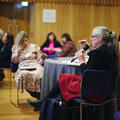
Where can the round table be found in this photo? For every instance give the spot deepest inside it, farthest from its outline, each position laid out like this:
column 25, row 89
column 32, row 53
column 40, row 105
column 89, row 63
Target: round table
column 53, row 68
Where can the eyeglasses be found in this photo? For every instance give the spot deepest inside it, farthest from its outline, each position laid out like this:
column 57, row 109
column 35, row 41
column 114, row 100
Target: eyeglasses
column 92, row 36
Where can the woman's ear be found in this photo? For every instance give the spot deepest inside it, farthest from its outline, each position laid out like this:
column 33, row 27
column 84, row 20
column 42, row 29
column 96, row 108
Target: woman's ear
column 100, row 38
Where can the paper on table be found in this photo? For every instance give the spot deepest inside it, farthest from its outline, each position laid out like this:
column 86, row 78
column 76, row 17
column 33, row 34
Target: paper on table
column 76, row 62
column 70, row 63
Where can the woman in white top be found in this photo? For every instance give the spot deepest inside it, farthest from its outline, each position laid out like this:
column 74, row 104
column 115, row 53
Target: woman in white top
column 30, row 70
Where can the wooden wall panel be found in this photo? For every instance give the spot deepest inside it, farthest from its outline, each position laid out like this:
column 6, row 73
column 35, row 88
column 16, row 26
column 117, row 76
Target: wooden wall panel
column 77, row 20
column 9, row 25
column 14, row 19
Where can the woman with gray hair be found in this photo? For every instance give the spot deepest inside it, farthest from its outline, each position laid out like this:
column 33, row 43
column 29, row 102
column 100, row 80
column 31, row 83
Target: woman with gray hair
column 101, row 57
column 30, row 70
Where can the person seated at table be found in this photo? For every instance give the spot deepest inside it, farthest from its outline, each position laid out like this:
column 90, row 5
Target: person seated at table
column 101, row 57
column 68, row 48
column 30, row 70
column 51, row 45
column 1, row 34
column 1, row 71
column 5, row 52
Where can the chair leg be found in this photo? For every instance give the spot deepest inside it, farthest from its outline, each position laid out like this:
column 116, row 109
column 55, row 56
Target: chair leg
column 11, row 94
column 10, row 87
column 17, row 96
column 94, row 109
column 80, row 111
column 115, row 105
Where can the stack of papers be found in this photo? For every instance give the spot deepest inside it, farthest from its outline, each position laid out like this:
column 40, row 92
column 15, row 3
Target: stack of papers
column 76, row 62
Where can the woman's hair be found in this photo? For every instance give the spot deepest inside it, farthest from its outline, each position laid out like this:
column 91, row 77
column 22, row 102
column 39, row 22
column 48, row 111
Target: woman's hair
column 105, row 33
column 51, row 33
column 67, row 36
column 20, row 36
column 10, row 38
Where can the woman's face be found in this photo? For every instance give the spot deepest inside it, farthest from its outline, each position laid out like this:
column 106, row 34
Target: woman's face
column 24, row 42
column 96, row 40
column 64, row 40
column 4, row 38
column 51, row 37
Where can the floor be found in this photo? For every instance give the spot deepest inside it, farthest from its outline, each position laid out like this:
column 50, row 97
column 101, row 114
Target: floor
column 10, row 112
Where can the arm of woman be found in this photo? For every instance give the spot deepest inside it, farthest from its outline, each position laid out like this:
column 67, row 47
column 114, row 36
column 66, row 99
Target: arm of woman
column 45, row 49
column 5, row 53
column 66, row 49
column 15, row 55
column 41, row 57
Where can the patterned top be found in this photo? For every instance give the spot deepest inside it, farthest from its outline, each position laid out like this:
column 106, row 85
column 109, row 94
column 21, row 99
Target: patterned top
column 30, row 71
column 31, row 53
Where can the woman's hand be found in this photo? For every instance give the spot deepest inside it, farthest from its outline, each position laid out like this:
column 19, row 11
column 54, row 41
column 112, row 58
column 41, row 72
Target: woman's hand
column 80, row 56
column 15, row 60
column 20, row 49
column 48, row 49
column 84, row 42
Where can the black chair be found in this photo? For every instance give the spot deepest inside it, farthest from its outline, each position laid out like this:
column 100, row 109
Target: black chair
column 96, row 82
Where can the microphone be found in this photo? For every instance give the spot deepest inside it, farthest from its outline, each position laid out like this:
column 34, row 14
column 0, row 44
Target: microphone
column 86, row 47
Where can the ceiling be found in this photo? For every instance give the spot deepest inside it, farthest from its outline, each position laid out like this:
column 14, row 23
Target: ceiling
column 94, row 2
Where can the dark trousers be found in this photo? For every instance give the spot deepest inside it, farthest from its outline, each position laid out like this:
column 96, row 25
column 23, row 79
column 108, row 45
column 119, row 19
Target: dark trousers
column 54, row 92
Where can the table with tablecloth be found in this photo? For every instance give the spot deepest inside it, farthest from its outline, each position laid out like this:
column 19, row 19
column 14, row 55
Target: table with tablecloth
column 53, row 68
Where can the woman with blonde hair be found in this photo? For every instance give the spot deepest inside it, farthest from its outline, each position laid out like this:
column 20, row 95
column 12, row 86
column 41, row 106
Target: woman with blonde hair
column 30, row 70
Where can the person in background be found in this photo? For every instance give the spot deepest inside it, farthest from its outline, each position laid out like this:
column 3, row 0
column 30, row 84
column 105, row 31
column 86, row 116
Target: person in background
column 51, row 45
column 1, row 71
column 1, row 33
column 30, row 70
column 5, row 52
column 68, row 48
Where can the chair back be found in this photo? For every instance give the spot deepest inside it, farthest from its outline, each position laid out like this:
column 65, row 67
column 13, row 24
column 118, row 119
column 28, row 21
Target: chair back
column 98, row 82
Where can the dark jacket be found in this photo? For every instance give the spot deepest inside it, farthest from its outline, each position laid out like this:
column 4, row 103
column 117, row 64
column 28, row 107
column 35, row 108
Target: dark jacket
column 68, row 49
column 46, row 44
column 102, row 58
column 5, row 55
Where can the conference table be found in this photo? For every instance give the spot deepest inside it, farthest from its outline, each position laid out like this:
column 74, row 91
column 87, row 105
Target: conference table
column 53, row 68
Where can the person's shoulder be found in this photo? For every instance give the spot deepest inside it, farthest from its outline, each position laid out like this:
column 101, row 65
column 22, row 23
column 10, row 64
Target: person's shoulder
column 56, row 41
column 14, row 47
column 103, row 49
column 34, row 46
column 70, row 42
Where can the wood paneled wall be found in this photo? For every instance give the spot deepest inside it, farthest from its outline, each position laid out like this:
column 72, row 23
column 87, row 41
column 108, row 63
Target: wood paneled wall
column 13, row 25
column 77, row 20
column 13, row 19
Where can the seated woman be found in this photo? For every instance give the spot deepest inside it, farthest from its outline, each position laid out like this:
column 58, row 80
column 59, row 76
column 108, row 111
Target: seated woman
column 30, row 70
column 5, row 52
column 68, row 47
column 51, row 45
column 101, row 57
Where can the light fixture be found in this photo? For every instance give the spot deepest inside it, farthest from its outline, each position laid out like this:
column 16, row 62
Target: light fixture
column 24, row 3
